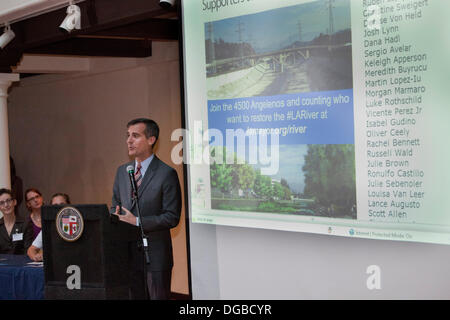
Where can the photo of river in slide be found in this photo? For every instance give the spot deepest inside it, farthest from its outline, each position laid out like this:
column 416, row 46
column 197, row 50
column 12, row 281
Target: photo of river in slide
column 304, row 48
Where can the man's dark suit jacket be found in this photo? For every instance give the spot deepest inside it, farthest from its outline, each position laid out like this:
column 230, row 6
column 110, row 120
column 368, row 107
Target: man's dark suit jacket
column 160, row 206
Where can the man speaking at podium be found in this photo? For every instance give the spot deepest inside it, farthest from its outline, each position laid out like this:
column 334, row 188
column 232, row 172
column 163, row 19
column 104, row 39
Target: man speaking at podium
column 159, row 202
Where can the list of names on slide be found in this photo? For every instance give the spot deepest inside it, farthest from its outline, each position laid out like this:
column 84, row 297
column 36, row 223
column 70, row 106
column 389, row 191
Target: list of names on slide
column 395, row 103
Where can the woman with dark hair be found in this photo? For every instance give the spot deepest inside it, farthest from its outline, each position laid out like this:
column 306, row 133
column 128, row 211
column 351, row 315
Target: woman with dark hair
column 60, row 198
column 11, row 227
column 35, row 251
column 34, row 202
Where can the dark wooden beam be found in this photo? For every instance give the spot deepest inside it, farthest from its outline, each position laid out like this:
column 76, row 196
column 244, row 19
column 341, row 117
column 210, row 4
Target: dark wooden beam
column 9, row 58
column 155, row 29
column 97, row 48
column 92, row 12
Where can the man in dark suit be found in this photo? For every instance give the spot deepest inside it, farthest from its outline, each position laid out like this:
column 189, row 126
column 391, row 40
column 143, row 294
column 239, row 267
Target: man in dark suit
column 159, row 197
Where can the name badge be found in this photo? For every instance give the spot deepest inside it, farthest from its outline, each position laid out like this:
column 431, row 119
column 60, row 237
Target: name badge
column 17, row 236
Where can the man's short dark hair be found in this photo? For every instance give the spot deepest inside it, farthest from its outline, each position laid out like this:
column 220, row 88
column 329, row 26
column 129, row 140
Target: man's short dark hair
column 4, row 190
column 151, row 127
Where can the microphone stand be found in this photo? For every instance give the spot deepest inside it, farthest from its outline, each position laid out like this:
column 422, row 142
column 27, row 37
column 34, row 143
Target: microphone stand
column 144, row 241
column 144, row 238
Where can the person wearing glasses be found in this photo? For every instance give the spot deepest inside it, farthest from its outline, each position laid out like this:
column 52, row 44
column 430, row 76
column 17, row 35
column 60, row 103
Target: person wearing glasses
column 35, row 252
column 34, row 202
column 11, row 227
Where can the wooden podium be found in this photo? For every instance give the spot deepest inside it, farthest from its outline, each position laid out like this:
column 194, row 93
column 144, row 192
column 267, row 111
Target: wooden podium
column 106, row 261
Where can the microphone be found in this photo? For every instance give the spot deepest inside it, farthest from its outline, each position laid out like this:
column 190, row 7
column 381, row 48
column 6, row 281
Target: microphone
column 130, row 170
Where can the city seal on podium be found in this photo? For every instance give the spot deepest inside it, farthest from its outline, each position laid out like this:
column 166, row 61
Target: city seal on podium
column 69, row 224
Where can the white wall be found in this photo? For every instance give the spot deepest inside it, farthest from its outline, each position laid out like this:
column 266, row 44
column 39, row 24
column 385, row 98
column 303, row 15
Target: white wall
column 245, row 264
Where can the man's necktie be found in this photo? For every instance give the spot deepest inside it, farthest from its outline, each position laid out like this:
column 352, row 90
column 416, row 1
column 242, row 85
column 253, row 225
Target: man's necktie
column 138, row 175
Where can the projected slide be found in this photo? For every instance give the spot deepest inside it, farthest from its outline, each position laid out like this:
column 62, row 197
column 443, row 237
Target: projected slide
column 324, row 116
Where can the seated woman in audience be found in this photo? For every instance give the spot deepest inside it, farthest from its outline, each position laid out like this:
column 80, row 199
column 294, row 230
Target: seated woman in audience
column 11, row 227
column 60, row 199
column 35, row 252
column 34, row 202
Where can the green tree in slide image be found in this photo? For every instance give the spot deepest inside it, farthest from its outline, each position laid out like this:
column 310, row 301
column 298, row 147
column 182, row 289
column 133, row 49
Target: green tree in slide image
column 221, row 173
column 330, row 177
column 244, row 177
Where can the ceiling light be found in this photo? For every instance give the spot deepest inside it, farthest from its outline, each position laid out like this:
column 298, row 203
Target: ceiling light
column 73, row 18
column 7, row 36
column 167, row 3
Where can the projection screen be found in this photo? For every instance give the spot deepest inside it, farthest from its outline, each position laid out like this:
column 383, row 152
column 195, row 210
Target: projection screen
column 327, row 117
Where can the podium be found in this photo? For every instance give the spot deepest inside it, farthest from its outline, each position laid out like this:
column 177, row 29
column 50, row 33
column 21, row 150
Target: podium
column 95, row 257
